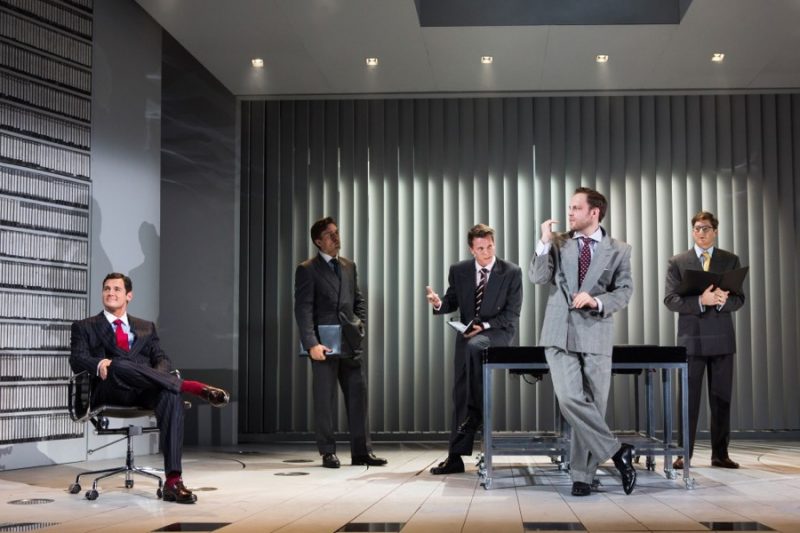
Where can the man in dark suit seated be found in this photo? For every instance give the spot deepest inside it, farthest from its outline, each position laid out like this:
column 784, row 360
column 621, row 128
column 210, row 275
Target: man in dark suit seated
column 326, row 293
column 705, row 328
column 131, row 369
column 488, row 293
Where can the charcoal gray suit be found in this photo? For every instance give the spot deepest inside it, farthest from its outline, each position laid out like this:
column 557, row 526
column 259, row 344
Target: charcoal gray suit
column 323, row 297
column 500, row 308
column 138, row 377
column 579, row 342
column 710, row 341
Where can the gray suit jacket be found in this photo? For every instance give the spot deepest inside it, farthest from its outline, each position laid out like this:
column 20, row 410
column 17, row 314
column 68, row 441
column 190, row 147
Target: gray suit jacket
column 708, row 332
column 502, row 298
column 608, row 279
column 320, row 297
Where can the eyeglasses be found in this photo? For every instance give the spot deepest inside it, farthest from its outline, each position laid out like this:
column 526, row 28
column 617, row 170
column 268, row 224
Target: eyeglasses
column 702, row 229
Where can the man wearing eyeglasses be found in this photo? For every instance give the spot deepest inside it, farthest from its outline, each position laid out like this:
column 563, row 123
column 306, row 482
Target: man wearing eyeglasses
column 705, row 328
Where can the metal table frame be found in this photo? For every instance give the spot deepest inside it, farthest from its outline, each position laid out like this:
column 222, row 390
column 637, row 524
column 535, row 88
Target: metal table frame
column 557, row 443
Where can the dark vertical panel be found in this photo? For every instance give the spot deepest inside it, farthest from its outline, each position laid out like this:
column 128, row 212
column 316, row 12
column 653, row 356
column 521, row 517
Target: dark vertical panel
column 406, row 362
column 680, row 215
column 632, row 233
column 572, row 144
column 390, row 268
column 483, row 141
column 588, row 145
column 648, row 235
column 560, row 191
column 245, row 183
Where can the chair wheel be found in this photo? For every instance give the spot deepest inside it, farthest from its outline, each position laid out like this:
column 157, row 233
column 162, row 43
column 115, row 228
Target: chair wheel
column 91, row 494
column 128, row 483
column 159, row 493
column 74, row 488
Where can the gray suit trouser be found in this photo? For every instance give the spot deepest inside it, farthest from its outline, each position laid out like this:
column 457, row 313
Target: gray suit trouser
column 581, row 382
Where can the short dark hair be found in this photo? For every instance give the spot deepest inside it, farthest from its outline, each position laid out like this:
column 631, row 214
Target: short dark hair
column 479, row 231
column 594, row 199
column 318, row 228
column 125, row 280
column 705, row 215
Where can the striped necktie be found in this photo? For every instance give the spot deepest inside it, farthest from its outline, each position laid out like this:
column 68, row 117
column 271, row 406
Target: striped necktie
column 479, row 290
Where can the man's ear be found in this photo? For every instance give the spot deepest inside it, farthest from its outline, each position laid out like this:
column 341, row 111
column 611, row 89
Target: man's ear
column 129, row 296
column 316, row 243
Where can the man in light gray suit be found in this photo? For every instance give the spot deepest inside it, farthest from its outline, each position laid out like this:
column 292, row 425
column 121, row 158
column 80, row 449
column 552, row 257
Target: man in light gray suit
column 705, row 328
column 589, row 276
column 326, row 293
column 488, row 293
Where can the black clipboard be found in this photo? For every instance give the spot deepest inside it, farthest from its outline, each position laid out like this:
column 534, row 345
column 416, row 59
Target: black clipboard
column 694, row 282
column 329, row 335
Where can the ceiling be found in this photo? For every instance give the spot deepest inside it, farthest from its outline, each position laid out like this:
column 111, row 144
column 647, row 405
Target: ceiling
column 318, row 47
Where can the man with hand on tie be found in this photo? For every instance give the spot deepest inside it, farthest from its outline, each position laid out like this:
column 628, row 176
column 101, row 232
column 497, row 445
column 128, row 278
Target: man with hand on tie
column 589, row 276
column 488, row 293
column 131, row 369
column 326, row 293
column 705, row 328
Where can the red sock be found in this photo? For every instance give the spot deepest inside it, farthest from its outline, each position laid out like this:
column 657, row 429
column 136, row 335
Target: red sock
column 173, row 478
column 193, row 387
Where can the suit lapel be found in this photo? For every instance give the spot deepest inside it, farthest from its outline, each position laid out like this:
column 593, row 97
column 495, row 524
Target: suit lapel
column 327, row 274
column 139, row 334
column 492, row 290
column 569, row 264
column 602, row 251
column 105, row 332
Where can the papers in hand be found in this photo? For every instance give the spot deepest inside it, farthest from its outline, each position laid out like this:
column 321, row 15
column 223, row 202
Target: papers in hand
column 694, row 282
column 330, row 335
column 460, row 326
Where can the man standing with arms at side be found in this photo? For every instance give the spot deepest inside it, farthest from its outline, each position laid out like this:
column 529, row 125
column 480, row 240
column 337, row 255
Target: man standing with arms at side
column 589, row 276
column 131, row 369
column 326, row 293
column 488, row 292
column 705, row 328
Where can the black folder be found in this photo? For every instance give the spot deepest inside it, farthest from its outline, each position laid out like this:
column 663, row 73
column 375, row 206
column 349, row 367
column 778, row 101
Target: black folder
column 695, row 282
column 330, row 335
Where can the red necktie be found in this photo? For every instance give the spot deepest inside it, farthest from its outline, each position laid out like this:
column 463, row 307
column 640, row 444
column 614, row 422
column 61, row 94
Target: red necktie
column 122, row 337
column 584, row 260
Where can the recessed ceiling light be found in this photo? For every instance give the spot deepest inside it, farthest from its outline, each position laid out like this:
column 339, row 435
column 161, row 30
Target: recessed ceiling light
column 487, row 60
column 257, row 62
column 717, row 57
column 601, row 58
column 372, row 61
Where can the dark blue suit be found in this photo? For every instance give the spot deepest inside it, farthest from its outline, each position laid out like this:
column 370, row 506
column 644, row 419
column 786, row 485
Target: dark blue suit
column 139, row 377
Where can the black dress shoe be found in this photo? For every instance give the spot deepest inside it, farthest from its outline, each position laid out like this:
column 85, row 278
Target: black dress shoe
column 581, row 489
column 452, row 465
column 725, row 462
column 329, row 460
column 469, row 425
column 623, row 460
column 178, row 493
column 678, row 464
column 215, row 396
column 368, row 460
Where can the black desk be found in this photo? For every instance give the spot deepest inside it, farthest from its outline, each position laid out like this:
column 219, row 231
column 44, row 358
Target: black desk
column 625, row 358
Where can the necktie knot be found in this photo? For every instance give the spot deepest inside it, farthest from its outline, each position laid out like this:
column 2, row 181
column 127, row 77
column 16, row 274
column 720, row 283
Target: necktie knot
column 334, row 263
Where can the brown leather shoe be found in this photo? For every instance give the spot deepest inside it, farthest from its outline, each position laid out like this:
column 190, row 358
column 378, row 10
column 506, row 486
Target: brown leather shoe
column 178, row 493
column 216, row 397
column 678, row 464
column 725, row 462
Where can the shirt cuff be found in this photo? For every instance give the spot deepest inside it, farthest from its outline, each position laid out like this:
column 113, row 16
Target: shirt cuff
column 700, row 303
column 97, row 369
column 599, row 305
column 486, row 325
column 542, row 247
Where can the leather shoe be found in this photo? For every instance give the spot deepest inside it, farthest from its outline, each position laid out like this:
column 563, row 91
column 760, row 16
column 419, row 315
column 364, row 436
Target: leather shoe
column 469, row 425
column 623, row 460
column 368, row 460
column 178, row 493
column 581, row 489
column 214, row 396
column 678, row 463
column 452, row 465
column 725, row 462
column 329, row 460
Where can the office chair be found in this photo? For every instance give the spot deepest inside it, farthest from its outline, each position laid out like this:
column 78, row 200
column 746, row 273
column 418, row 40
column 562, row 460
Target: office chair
column 82, row 409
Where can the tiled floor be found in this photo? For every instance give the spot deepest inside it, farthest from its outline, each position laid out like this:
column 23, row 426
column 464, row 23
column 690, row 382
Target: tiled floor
column 243, row 490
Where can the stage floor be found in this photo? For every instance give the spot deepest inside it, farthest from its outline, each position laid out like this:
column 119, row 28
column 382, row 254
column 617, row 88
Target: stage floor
column 247, row 488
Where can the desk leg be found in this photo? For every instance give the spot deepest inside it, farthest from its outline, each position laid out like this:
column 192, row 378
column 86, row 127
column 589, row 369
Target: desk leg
column 649, row 422
column 666, row 382
column 486, row 471
column 687, row 478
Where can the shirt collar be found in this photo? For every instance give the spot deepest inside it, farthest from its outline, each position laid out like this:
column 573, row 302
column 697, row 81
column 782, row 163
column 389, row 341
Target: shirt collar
column 699, row 251
column 597, row 236
column 326, row 257
column 111, row 318
column 489, row 267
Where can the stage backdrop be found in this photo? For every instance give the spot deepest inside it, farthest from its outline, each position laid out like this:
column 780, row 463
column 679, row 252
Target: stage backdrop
column 406, row 178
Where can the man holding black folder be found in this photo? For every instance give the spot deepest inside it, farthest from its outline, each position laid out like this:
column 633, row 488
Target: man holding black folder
column 488, row 293
column 705, row 328
column 328, row 303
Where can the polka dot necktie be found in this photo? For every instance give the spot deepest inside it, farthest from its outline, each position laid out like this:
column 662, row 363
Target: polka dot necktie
column 585, row 259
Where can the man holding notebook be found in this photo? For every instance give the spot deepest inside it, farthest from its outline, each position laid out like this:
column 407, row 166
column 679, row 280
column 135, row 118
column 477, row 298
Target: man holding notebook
column 705, row 328
column 488, row 293
column 330, row 310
